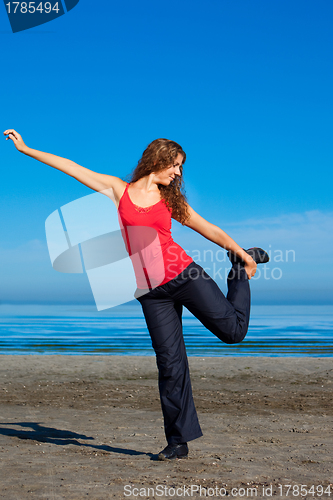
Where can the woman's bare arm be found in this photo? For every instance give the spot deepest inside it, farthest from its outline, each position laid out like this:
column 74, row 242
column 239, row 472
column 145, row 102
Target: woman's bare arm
column 218, row 236
column 94, row 180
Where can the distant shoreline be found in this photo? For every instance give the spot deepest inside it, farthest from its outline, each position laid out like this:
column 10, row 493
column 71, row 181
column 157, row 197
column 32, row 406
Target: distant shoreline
column 274, row 332
column 208, row 356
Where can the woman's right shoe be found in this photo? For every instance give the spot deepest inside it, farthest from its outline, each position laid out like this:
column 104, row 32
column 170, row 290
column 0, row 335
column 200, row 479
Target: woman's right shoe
column 258, row 255
column 174, row 451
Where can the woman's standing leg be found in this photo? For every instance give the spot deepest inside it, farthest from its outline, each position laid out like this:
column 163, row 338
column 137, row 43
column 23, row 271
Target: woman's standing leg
column 163, row 318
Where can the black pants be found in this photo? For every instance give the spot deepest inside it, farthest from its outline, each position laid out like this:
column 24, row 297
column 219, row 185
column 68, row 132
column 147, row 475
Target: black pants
column 227, row 318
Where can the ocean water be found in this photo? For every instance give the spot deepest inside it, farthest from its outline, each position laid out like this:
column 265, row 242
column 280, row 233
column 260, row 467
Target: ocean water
column 274, row 331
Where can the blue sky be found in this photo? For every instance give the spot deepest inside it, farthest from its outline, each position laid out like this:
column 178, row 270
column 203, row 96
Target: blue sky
column 245, row 88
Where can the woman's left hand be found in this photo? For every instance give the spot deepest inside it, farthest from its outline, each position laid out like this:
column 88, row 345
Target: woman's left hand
column 250, row 268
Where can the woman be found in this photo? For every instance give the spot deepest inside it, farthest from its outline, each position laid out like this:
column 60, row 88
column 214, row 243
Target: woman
column 167, row 277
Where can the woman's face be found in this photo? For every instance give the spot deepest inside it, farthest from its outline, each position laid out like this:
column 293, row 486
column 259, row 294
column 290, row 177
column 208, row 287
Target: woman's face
column 167, row 175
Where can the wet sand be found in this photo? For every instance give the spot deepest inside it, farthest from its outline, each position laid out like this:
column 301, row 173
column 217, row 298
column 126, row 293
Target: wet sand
column 75, row 427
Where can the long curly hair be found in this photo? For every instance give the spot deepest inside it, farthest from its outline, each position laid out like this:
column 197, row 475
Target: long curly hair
column 160, row 154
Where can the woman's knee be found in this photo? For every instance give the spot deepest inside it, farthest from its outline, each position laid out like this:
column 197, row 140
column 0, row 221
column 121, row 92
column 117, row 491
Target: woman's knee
column 231, row 336
column 236, row 339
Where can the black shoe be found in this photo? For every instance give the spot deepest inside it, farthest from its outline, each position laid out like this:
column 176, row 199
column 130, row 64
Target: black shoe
column 258, row 255
column 174, row 451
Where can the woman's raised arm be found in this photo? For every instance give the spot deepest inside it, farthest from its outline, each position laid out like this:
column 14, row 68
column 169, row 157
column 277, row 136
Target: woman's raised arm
column 94, row 180
column 218, row 236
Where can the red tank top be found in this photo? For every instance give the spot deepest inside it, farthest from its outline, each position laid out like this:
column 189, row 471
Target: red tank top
column 156, row 258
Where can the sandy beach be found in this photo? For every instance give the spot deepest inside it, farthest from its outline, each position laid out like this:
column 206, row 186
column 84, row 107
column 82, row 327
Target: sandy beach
column 75, row 427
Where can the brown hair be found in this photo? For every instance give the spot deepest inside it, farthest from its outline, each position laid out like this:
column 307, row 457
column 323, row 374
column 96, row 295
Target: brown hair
column 158, row 155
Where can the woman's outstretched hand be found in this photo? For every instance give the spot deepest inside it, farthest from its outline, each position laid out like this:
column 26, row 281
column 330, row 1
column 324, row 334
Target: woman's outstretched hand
column 250, row 268
column 16, row 138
